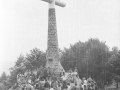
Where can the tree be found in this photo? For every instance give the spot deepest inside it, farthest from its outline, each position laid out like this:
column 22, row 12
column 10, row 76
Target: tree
column 4, row 81
column 3, row 77
column 13, row 77
column 89, row 57
column 114, row 65
column 35, row 59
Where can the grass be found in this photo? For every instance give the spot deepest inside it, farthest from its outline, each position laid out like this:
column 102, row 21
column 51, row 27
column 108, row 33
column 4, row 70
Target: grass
column 112, row 87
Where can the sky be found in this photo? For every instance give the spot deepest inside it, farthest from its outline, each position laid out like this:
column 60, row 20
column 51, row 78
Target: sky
column 24, row 25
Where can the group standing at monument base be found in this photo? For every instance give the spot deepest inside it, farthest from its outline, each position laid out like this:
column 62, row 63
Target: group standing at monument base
column 42, row 79
column 53, row 76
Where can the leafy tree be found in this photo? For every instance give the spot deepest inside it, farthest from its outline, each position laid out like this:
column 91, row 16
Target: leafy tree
column 35, row 59
column 114, row 65
column 89, row 57
column 13, row 77
column 4, row 81
column 3, row 77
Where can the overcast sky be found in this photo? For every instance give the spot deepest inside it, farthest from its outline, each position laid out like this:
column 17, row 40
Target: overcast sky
column 24, row 25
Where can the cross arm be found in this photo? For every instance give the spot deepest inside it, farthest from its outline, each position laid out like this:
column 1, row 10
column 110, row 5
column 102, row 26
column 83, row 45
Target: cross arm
column 57, row 2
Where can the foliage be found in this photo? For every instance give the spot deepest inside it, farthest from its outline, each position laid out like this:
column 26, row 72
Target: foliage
column 92, row 58
column 4, row 81
column 89, row 57
column 35, row 59
column 114, row 65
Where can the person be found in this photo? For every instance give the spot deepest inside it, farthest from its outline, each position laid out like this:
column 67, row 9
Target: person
column 84, row 82
column 64, row 85
column 70, row 71
column 51, row 88
column 72, row 85
column 69, row 87
column 47, row 85
column 91, row 83
column 78, row 82
column 62, row 73
column 59, row 86
column 23, row 87
column 63, row 77
column 55, row 84
column 49, row 80
column 41, row 85
column 29, row 86
column 37, row 86
column 42, row 82
column 89, row 80
column 75, row 70
column 10, row 88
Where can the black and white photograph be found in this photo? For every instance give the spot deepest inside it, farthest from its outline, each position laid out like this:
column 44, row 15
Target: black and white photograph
column 59, row 44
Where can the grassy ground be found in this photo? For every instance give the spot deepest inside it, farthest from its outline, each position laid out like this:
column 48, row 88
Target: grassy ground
column 112, row 87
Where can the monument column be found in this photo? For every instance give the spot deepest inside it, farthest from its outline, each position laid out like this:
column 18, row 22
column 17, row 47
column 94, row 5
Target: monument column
column 52, row 44
column 52, row 54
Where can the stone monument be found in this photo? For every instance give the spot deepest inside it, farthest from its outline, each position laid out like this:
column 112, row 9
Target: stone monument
column 52, row 54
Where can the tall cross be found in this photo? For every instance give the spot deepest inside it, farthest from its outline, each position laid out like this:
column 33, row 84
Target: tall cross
column 52, row 56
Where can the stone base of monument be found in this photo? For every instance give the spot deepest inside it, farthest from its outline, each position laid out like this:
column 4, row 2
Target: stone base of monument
column 56, row 68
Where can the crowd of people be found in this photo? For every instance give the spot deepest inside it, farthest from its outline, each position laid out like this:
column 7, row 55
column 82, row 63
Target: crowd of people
column 45, row 79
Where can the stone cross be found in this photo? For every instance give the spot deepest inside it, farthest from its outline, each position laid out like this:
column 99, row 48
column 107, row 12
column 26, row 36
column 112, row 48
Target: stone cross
column 52, row 56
